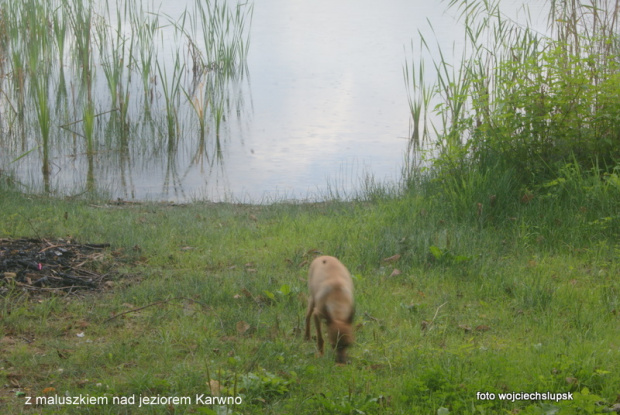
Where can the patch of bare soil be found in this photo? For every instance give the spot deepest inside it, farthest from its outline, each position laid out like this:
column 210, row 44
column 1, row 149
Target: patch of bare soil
column 60, row 266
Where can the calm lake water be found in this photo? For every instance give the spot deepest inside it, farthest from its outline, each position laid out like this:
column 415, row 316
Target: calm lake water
column 322, row 105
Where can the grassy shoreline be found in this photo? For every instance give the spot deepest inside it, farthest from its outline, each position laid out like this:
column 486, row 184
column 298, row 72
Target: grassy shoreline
column 496, row 273
column 519, row 297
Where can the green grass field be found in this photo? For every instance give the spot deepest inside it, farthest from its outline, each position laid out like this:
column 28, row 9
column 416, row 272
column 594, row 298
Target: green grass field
column 509, row 296
column 490, row 285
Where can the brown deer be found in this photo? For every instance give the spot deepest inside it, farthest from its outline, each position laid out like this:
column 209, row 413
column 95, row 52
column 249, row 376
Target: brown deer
column 331, row 298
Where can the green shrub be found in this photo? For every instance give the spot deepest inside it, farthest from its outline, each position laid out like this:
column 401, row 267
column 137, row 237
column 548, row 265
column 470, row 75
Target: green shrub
column 523, row 103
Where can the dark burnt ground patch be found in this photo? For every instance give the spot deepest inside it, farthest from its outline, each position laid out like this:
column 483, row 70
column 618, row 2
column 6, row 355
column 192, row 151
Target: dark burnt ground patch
column 53, row 266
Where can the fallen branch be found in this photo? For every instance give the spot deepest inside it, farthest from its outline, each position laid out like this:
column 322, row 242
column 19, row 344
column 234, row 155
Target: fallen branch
column 133, row 310
column 426, row 325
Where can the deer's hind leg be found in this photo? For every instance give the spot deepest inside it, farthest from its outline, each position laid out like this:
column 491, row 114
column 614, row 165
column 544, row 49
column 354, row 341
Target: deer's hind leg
column 309, row 316
column 319, row 336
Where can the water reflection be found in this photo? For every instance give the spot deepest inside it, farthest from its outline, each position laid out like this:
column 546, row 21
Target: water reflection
column 106, row 97
column 146, row 113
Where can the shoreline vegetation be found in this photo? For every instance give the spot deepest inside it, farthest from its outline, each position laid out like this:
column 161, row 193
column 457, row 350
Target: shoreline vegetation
column 521, row 297
column 488, row 283
column 105, row 83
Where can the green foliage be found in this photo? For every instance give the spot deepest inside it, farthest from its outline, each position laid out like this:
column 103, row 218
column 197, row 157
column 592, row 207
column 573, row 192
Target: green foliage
column 352, row 404
column 522, row 103
column 507, row 277
column 582, row 403
column 551, row 108
column 114, row 74
column 254, row 387
column 284, row 293
column 445, row 256
column 480, row 304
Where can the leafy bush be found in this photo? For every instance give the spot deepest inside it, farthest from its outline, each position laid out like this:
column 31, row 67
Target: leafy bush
column 521, row 102
column 552, row 107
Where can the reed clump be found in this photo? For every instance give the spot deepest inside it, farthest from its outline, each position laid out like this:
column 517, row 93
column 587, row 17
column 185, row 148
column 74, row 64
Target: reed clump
column 81, row 76
column 525, row 102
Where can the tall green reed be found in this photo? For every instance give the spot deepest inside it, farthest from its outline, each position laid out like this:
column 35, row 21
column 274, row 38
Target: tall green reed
column 89, row 128
column 80, row 15
column 171, row 87
column 521, row 99
column 59, row 25
column 115, row 51
column 199, row 101
column 39, row 61
column 145, row 27
column 224, row 38
column 419, row 98
column 40, row 95
column 84, row 61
